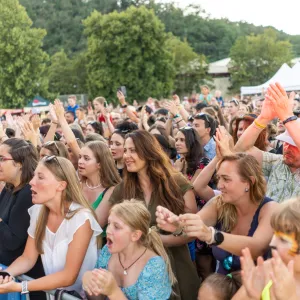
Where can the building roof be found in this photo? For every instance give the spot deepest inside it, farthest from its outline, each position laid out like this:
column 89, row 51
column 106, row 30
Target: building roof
column 220, row 66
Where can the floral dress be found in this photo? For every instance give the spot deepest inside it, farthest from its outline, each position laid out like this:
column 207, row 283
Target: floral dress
column 153, row 282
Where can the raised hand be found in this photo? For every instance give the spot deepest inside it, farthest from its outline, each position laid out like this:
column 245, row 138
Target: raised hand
column 253, row 277
column 59, row 109
column 10, row 121
column 36, row 122
column 53, row 115
column 284, row 285
column 171, row 107
column 121, row 97
column 224, row 142
column 282, row 104
column 166, row 220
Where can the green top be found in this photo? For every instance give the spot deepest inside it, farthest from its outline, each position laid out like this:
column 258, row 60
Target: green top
column 96, row 204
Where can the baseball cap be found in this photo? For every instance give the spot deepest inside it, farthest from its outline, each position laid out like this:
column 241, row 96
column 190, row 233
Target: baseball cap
column 285, row 137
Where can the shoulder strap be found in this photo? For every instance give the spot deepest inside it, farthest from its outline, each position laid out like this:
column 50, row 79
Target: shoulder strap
column 99, row 199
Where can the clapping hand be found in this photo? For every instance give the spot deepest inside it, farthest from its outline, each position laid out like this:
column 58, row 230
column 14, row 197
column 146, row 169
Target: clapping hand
column 59, row 109
column 52, row 113
column 253, row 277
column 284, row 285
column 282, row 105
column 224, row 142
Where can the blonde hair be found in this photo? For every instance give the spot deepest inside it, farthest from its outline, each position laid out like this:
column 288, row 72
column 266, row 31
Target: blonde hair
column 100, row 100
column 108, row 172
column 63, row 170
column 250, row 171
column 287, row 218
column 135, row 214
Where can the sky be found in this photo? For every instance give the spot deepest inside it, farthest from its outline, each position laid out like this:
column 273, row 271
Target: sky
column 283, row 15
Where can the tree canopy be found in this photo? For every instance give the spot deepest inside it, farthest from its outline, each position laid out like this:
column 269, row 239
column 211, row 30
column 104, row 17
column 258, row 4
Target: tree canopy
column 128, row 48
column 257, row 58
column 22, row 59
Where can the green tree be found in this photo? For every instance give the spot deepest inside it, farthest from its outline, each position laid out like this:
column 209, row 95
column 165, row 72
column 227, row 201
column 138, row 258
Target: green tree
column 128, row 48
column 190, row 67
column 21, row 56
column 256, row 58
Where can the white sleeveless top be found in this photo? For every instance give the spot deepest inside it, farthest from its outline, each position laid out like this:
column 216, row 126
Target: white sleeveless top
column 55, row 245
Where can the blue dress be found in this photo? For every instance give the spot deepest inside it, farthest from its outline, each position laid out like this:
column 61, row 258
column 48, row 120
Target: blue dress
column 152, row 284
column 228, row 262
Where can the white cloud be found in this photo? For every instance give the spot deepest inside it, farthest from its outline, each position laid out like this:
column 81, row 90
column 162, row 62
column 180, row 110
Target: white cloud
column 283, row 15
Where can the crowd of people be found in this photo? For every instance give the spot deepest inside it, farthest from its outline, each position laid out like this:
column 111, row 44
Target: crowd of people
column 192, row 199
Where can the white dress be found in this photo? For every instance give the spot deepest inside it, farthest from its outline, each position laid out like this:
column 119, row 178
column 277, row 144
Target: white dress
column 55, row 245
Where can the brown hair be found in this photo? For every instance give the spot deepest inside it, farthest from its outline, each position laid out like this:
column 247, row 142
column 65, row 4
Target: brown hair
column 159, row 169
column 24, row 153
column 63, row 170
column 56, row 148
column 248, row 169
column 224, row 286
column 161, row 129
column 108, row 172
column 260, row 142
column 286, row 218
column 136, row 215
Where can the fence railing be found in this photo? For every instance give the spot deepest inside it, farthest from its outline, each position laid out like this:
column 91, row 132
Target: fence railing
column 48, row 293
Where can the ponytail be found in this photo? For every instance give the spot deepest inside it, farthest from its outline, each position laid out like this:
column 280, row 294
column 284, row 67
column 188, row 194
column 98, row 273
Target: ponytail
column 154, row 243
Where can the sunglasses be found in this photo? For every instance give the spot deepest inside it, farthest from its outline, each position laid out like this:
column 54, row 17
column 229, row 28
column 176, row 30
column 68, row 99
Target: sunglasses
column 235, row 102
column 49, row 159
column 186, row 128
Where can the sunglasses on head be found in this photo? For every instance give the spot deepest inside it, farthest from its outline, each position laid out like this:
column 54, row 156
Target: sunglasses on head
column 51, row 143
column 203, row 115
column 235, row 102
column 49, row 159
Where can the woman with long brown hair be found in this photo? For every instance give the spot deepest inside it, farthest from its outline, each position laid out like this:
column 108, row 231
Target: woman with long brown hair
column 99, row 176
column 150, row 177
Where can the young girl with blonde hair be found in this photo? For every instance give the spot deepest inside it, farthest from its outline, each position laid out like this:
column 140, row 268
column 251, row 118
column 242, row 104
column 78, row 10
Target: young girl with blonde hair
column 134, row 263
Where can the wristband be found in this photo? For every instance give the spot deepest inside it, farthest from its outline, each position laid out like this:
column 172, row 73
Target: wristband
column 179, row 121
column 24, row 285
column 265, row 295
column 292, row 118
column 178, row 232
column 56, row 123
column 259, row 125
column 212, row 240
column 176, row 116
column 124, row 106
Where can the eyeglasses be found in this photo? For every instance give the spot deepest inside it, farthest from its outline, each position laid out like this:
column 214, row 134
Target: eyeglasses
column 51, row 158
column 51, row 143
column 2, row 159
column 92, row 122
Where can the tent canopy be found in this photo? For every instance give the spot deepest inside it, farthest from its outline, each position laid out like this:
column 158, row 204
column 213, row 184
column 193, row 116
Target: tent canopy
column 38, row 101
column 285, row 75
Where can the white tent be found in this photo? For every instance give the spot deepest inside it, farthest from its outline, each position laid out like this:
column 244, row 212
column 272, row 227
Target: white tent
column 283, row 75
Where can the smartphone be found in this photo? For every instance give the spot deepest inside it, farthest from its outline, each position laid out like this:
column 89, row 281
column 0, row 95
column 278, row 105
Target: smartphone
column 4, row 274
column 105, row 104
column 123, row 90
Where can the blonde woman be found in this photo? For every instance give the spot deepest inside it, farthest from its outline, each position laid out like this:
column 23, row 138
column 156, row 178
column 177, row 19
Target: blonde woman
column 133, row 264
column 63, row 230
column 99, row 176
column 238, row 218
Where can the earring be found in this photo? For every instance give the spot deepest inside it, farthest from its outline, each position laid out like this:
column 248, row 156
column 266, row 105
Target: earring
column 246, row 190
